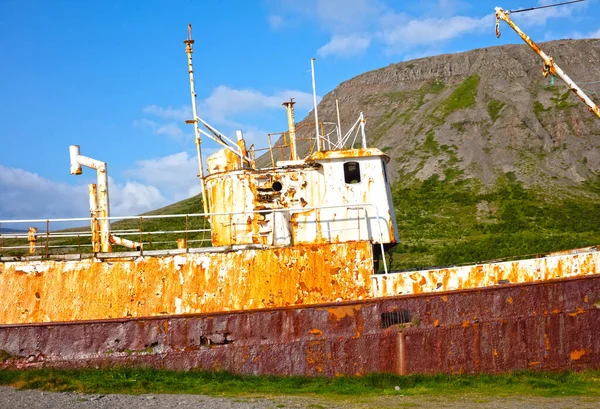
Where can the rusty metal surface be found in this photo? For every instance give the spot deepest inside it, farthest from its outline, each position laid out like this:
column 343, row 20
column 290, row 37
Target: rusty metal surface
column 481, row 275
column 46, row 291
column 552, row 325
column 302, row 188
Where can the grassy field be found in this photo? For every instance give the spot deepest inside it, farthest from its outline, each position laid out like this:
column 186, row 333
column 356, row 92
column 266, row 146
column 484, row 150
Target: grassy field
column 140, row 381
column 455, row 221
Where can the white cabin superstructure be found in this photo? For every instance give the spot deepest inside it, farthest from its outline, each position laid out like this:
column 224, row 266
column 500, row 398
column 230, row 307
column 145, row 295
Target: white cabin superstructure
column 331, row 196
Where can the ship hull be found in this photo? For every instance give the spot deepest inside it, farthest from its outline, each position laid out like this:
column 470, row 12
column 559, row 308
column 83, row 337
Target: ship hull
column 552, row 325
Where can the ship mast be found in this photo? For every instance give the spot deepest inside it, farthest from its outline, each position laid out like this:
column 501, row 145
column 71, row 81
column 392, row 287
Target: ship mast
column 550, row 67
column 188, row 50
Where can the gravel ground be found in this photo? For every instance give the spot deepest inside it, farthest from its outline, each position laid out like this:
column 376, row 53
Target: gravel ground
column 35, row 399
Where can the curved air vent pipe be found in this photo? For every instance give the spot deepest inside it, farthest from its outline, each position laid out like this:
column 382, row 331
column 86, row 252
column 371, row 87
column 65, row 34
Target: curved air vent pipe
column 99, row 204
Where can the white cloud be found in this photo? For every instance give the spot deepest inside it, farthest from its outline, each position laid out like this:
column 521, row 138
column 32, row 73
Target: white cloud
column 399, row 36
column 221, row 106
column 578, row 35
column 225, row 102
column 133, row 198
column 170, row 129
column 180, row 114
column 27, row 195
column 275, row 22
column 540, row 17
column 345, row 46
column 174, row 175
column 438, row 22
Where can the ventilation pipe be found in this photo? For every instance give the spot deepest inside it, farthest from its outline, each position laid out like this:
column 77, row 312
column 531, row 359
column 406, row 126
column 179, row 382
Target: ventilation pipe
column 99, row 207
column 289, row 107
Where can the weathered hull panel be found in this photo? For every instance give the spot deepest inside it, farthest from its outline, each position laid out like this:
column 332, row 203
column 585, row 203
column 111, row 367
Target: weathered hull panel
column 560, row 265
column 50, row 291
column 552, row 325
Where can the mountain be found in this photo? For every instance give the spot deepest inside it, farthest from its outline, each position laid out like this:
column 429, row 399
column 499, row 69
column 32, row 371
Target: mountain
column 490, row 160
column 482, row 113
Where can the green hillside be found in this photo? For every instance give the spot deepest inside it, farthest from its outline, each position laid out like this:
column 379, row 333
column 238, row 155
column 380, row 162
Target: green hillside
column 457, row 221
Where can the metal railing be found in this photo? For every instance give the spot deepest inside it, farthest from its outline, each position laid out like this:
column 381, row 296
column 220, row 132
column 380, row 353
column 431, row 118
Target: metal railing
column 164, row 232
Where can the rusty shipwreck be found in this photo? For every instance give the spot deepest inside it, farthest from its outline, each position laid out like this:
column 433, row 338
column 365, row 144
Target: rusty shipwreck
column 295, row 281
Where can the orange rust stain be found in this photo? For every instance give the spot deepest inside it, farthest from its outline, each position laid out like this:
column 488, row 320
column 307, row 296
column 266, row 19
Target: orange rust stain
column 495, row 352
column 585, row 299
column 342, row 312
column 547, row 342
column 463, row 277
column 577, row 354
column 466, row 324
column 316, row 332
column 444, row 298
column 509, row 300
column 436, row 323
column 533, row 363
column 191, row 283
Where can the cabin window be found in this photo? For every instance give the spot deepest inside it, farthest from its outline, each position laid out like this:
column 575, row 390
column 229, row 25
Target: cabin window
column 351, row 172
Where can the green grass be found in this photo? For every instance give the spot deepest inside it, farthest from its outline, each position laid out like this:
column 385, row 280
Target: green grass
column 494, row 107
column 560, row 101
column 456, row 221
column 430, row 145
column 464, row 96
column 538, row 108
column 142, row 381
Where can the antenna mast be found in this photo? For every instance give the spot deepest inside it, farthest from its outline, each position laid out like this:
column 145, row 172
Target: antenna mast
column 188, row 50
column 312, row 70
column 550, row 67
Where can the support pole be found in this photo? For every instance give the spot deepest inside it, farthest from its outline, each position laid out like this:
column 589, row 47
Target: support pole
column 312, row 69
column 189, row 50
column 289, row 107
column 94, row 225
column 362, row 131
column 339, row 123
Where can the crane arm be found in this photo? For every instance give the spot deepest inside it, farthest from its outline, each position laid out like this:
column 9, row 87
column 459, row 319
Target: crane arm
column 550, row 67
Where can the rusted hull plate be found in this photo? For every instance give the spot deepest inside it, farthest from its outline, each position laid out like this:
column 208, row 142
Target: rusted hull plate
column 555, row 342
column 551, row 325
column 484, row 275
column 50, row 291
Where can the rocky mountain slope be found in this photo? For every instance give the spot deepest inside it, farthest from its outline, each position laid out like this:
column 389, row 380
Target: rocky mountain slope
column 480, row 114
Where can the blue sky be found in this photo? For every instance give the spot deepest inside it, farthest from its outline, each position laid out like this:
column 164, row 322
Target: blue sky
column 111, row 76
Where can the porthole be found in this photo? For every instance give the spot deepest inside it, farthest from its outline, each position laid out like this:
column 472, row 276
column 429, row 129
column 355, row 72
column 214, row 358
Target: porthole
column 277, row 186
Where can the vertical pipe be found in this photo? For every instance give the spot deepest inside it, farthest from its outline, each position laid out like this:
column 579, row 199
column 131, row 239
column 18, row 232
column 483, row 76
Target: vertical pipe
column 289, row 107
column 362, row 131
column 141, row 230
column 94, row 225
column 271, row 150
column 47, row 236
column 103, row 208
column 339, row 123
column 312, row 69
column 32, row 238
column 188, row 49
column 186, row 231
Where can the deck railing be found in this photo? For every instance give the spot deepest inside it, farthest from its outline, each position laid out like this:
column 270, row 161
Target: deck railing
column 162, row 232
